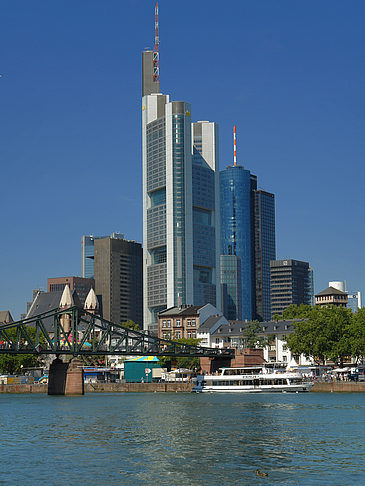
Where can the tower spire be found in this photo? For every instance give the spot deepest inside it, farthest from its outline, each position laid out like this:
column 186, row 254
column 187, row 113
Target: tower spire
column 156, row 53
column 234, row 146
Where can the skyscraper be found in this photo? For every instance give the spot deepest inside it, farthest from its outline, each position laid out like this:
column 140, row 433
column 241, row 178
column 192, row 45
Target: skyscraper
column 180, row 200
column 291, row 283
column 118, row 279
column 265, row 251
column 247, row 232
column 236, row 227
column 87, row 253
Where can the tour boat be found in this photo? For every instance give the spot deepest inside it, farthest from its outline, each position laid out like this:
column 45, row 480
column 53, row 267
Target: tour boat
column 252, row 379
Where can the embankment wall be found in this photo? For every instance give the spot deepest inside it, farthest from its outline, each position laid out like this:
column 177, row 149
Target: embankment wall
column 344, row 387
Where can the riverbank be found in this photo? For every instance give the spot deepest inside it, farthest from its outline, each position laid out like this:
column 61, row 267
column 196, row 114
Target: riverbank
column 318, row 387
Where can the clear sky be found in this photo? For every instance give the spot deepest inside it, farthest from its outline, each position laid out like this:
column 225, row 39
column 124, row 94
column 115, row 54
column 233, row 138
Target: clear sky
column 289, row 74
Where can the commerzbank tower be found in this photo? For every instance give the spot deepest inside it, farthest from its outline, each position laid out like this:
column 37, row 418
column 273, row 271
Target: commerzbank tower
column 181, row 237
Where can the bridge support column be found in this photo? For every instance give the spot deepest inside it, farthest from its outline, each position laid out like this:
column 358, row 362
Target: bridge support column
column 57, row 377
column 66, row 378
column 75, row 378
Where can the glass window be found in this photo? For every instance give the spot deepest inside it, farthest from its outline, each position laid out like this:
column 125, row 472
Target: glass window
column 178, row 323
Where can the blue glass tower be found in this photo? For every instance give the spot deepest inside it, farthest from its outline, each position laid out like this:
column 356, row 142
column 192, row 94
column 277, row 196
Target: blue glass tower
column 236, row 228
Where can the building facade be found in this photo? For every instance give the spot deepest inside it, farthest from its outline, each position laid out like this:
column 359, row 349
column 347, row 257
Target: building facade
column 184, row 321
column 118, row 279
column 87, row 253
column 264, row 250
column 81, row 285
column 291, row 283
column 331, row 296
column 236, row 233
column 231, row 285
column 180, row 204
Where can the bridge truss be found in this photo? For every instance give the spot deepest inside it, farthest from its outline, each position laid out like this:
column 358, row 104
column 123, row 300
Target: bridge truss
column 77, row 332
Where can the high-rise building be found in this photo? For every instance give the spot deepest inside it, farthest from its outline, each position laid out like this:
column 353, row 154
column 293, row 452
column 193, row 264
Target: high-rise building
column 231, row 283
column 118, row 279
column 291, row 283
column 87, row 253
column 236, row 229
column 265, row 251
column 180, row 201
column 248, row 232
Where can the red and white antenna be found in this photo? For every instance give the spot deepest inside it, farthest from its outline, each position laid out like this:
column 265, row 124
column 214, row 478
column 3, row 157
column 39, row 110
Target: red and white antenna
column 156, row 54
column 234, row 146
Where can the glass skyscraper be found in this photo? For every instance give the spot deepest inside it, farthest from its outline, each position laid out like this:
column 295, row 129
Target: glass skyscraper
column 265, row 251
column 236, row 229
column 180, row 204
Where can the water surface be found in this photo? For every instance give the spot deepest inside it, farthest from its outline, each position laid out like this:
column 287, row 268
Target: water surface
column 183, row 439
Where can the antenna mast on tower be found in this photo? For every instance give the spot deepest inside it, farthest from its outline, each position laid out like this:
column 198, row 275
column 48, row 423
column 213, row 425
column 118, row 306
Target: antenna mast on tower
column 234, row 146
column 156, row 54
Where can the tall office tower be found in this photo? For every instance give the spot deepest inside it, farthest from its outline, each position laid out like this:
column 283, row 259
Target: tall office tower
column 87, row 253
column 118, row 279
column 180, row 201
column 206, row 215
column 231, row 283
column 264, row 251
column 236, row 233
column 291, row 283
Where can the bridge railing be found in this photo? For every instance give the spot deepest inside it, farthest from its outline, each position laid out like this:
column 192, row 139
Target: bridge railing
column 77, row 332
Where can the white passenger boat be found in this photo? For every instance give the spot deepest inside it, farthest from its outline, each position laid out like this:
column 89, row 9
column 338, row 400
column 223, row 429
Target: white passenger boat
column 252, row 379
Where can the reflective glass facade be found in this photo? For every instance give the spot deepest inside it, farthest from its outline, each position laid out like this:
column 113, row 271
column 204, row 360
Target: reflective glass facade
column 231, row 282
column 179, row 208
column 236, row 227
column 265, row 250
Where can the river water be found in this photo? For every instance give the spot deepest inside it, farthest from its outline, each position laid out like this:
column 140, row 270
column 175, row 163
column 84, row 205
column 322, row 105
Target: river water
column 183, row 439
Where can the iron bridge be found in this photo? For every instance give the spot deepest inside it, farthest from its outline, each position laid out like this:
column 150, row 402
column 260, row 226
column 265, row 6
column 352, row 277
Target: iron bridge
column 77, row 332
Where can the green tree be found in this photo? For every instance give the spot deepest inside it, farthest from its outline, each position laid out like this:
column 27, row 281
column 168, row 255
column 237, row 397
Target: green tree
column 326, row 334
column 253, row 336
column 357, row 335
column 15, row 363
column 297, row 311
column 189, row 363
column 129, row 324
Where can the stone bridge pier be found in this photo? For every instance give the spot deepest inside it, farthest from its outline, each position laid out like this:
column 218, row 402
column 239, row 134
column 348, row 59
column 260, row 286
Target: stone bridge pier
column 66, row 378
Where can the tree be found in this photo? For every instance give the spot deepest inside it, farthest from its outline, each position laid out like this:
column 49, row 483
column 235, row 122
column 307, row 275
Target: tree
column 253, row 336
column 15, row 363
column 129, row 324
column 297, row 311
column 183, row 362
column 325, row 334
column 357, row 335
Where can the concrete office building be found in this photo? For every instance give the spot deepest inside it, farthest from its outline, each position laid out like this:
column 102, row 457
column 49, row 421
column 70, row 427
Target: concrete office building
column 180, row 201
column 87, row 253
column 118, row 279
column 291, row 283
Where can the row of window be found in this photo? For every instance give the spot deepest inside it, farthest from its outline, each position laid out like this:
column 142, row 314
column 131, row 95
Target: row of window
column 178, row 335
column 189, row 323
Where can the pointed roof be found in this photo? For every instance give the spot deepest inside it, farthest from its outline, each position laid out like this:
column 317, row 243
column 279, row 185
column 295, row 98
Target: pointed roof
column 5, row 317
column 91, row 302
column 331, row 291
column 66, row 299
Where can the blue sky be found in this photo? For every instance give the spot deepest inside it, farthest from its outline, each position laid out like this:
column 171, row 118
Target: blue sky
column 290, row 75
